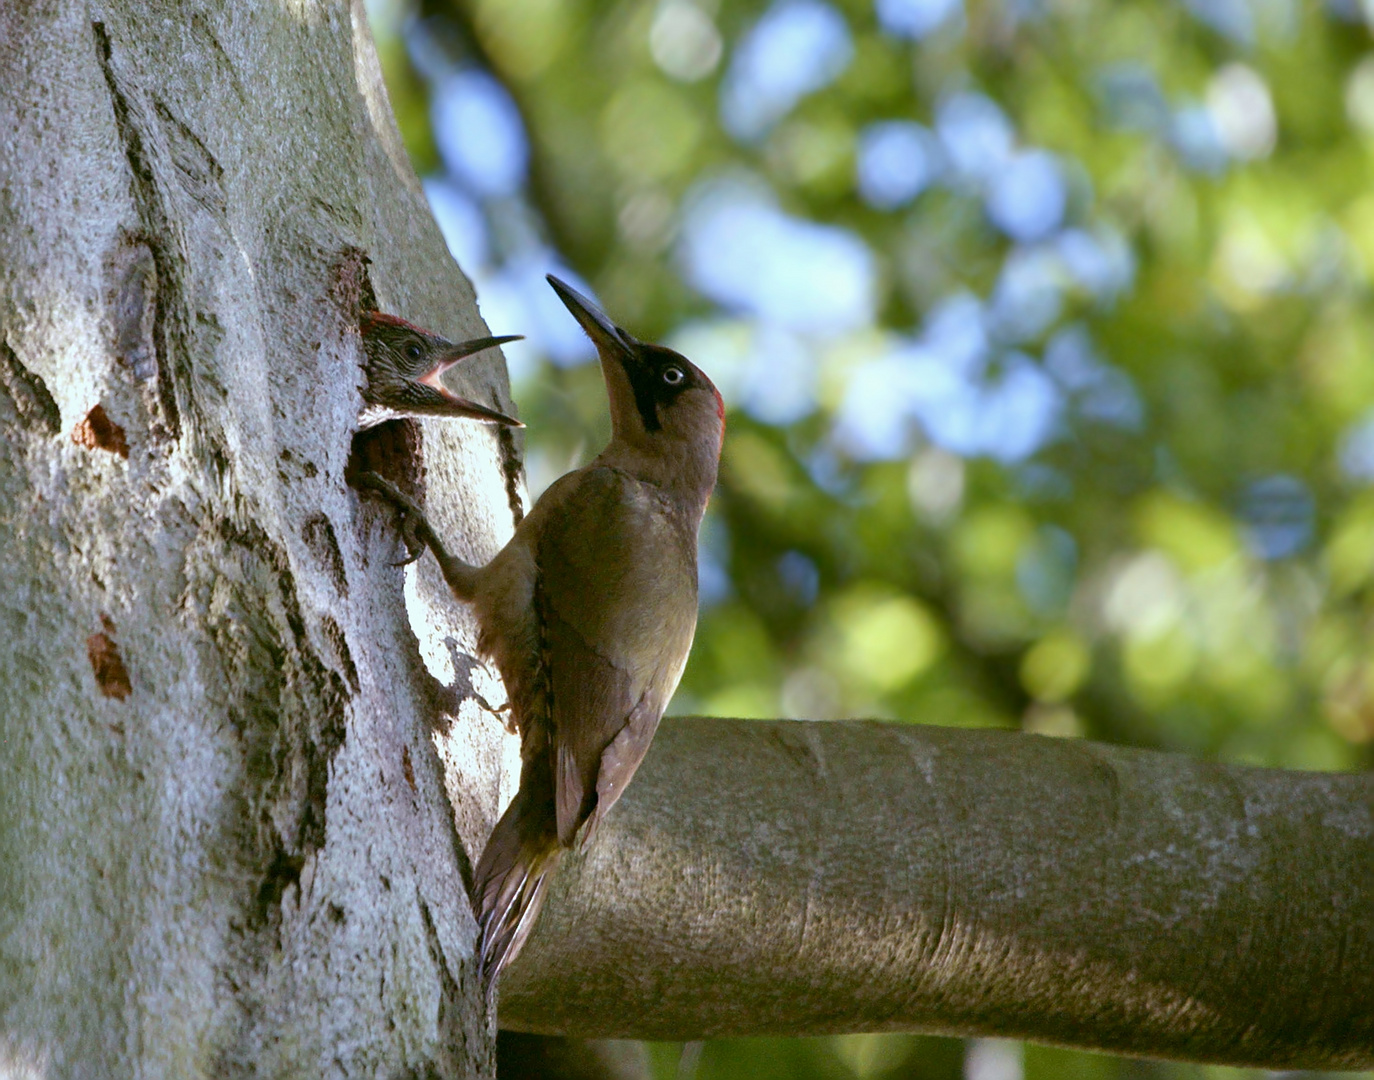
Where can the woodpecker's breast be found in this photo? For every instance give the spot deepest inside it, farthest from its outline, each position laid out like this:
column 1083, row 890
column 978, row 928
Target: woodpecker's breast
column 611, row 560
column 621, row 569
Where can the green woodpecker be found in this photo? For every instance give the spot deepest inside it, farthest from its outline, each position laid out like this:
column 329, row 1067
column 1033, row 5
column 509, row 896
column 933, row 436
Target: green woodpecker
column 404, row 367
column 588, row 613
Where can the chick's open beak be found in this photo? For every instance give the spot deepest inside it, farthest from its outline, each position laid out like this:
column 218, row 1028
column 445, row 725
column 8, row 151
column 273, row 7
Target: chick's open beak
column 463, row 349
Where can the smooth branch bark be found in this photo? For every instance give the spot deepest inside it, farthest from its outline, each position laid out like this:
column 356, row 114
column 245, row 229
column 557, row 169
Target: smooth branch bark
column 793, row 878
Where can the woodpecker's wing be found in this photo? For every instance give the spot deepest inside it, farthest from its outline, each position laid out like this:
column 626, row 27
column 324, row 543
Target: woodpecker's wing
column 617, row 599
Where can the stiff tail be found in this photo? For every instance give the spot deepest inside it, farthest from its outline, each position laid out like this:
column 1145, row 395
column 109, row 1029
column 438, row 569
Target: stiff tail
column 511, row 876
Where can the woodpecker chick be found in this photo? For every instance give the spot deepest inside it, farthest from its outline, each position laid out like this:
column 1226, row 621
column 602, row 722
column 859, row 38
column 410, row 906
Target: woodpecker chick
column 404, row 367
column 588, row 613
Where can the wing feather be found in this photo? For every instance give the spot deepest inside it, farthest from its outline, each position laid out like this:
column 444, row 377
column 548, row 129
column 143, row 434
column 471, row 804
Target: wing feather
column 617, row 597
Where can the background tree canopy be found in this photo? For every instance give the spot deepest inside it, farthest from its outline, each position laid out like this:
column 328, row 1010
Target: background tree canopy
column 1045, row 329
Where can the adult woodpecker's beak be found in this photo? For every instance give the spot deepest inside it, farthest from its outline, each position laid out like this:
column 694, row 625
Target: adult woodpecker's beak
column 620, row 352
column 605, row 335
column 462, row 406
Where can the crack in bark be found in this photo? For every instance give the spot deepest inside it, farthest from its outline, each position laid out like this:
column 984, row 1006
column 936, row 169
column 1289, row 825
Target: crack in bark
column 289, row 708
column 511, row 467
column 29, row 393
column 199, row 172
column 318, row 533
column 350, row 284
column 111, row 676
column 333, row 633
column 135, row 312
column 453, row 1040
column 153, row 214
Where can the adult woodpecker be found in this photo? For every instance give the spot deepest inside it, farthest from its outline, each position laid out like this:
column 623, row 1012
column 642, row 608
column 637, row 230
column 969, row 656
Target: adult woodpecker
column 588, row 613
column 404, row 367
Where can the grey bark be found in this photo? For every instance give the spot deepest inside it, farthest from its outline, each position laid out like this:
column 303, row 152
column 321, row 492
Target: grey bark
column 226, row 840
column 791, row 878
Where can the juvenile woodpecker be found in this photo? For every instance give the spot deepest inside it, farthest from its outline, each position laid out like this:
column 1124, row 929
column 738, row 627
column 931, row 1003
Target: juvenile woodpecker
column 404, row 367
column 588, row 613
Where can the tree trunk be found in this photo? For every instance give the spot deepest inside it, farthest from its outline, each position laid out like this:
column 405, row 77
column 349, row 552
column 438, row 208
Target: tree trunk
column 226, row 841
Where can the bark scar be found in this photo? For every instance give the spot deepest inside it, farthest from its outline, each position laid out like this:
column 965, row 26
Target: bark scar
column 111, row 676
column 319, row 536
column 135, row 312
column 98, row 432
column 451, row 990
column 950, row 938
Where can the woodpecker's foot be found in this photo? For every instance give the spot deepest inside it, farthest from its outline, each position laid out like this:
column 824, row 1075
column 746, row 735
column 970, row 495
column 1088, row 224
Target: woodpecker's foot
column 415, row 547
column 414, row 526
column 505, row 714
column 419, row 534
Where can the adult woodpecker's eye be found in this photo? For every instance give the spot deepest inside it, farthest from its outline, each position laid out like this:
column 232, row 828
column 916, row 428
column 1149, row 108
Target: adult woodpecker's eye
column 413, row 350
column 672, row 376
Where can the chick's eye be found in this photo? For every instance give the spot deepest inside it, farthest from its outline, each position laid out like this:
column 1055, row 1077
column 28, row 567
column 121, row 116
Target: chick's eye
column 672, row 376
column 413, row 351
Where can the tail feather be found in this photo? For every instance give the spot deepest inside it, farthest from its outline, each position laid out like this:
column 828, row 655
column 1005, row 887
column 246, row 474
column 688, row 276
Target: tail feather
column 511, row 935
column 511, row 877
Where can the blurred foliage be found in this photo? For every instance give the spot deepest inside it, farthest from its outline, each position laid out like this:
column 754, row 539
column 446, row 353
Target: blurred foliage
column 1059, row 414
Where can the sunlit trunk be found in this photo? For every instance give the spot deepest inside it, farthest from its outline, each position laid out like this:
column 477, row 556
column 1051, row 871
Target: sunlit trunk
column 226, row 842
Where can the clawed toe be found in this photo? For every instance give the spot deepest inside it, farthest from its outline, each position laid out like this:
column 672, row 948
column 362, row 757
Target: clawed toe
column 410, row 536
column 376, row 482
column 412, row 524
column 418, row 534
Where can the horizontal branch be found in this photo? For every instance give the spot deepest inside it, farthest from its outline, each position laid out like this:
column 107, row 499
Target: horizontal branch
column 784, row 878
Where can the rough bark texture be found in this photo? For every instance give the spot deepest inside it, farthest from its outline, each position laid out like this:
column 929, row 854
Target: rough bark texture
column 225, row 843
column 793, row 878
